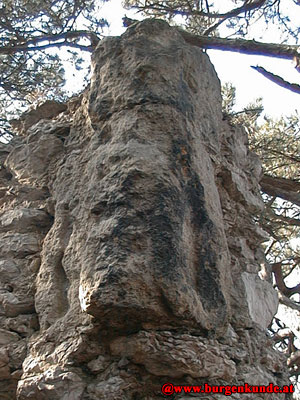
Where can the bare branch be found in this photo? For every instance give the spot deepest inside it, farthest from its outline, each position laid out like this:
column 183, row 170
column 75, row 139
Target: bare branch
column 242, row 46
column 286, row 291
column 157, row 6
column 294, row 359
column 247, row 7
column 285, row 333
column 277, row 79
column 286, row 189
column 280, row 217
column 288, row 302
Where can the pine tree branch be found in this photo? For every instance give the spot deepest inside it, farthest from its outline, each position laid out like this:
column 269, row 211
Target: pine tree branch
column 287, row 220
column 288, row 302
column 283, row 183
column 294, row 359
column 277, row 79
column 242, row 46
column 158, row 6
column 286, row 291
column 286, row 189
column 247, row 7
column 53, row 41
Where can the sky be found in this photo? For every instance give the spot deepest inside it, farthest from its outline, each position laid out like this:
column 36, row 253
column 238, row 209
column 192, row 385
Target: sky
column 234, row 67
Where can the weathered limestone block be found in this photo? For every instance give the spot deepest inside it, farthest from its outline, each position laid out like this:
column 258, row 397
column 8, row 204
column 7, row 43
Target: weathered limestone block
column 19, row 244
column 176, row 355
column 23, row 324
column 23, row 220
column 48, row 110
column 13, row 306
column 7, row 337
column 155, row 210
column 4, row 367
column 56, row 383
column 130, row 256
column 262, row 299
column 9, row 270
column 29, row 163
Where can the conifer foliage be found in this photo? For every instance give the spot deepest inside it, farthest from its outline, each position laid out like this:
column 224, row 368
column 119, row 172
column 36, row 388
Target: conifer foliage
column 31, row 32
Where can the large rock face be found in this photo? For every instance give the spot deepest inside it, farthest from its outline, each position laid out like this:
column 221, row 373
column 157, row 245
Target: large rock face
column 129, row 251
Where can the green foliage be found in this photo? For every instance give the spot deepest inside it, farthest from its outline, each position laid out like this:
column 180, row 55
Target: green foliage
column 277, row 142
column 204, row 17
column 173, row 11
column 228, row 92
column 31, row 31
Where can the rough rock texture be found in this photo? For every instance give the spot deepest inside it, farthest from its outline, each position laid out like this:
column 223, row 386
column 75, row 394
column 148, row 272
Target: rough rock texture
column 129, row 250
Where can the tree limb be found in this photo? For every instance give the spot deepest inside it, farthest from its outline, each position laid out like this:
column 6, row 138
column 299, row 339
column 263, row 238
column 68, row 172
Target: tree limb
column 286, row 189
column 287, row 220
column 246, row 7
column 293, row 158
column 294, row 359
column 277, row 79
column 65, row 35
column 235, row 45
column 33, row 43
column 288, row 302
column 286, row 291
column 242, row 46
column 157, row 6
column 285, row 333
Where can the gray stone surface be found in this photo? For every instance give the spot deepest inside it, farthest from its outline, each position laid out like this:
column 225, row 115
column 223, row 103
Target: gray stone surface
column 262, row 299
column 129, row 255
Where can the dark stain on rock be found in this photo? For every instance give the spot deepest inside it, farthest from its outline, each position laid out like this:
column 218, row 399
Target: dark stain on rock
column 207, row 274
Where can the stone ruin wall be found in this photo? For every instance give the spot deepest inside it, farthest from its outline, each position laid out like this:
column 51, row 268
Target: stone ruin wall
column 129, row 251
